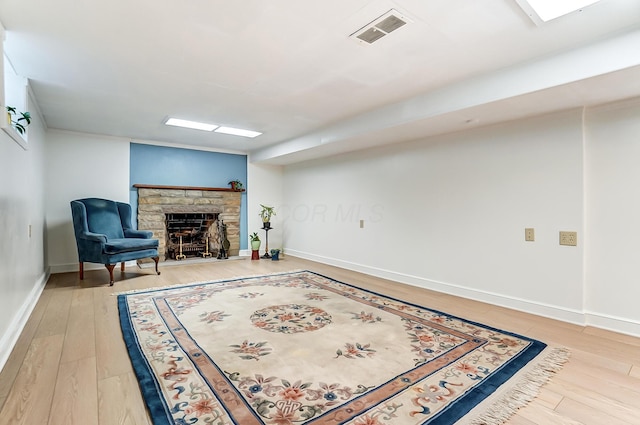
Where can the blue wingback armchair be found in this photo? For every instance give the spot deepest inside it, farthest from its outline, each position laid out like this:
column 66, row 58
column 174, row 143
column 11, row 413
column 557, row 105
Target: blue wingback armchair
column 104, row 235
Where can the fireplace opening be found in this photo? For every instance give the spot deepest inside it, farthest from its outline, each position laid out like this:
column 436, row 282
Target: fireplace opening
column 191, row 235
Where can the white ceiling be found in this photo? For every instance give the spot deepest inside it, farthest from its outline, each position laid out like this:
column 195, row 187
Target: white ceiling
column 288, row 69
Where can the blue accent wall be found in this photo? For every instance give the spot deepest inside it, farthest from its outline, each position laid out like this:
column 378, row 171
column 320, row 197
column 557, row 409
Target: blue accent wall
column 168, row 166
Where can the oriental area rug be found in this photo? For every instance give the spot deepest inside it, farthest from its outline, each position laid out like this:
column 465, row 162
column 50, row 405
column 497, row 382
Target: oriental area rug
column 302, row 348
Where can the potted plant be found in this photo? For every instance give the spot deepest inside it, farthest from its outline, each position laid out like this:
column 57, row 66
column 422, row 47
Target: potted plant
column 21, row 123
column 266, row 214
column 275, row 254
column 255, row 246
column 236, row 185
column 255, row 241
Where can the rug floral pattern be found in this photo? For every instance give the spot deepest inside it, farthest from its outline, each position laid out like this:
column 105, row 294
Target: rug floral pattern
column 301, row 348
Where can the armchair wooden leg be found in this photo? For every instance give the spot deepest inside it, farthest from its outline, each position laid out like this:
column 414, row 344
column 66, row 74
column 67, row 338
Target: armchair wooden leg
column 156, row 259
column 81, row 270
column 122, row 266
column 110, row 267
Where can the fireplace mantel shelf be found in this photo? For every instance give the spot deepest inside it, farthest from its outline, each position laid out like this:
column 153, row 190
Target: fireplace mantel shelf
column 210, row 189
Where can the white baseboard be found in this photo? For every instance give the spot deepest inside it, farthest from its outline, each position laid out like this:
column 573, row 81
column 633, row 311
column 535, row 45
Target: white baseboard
column 540, row 309
column 612, row 323
column 10, row 338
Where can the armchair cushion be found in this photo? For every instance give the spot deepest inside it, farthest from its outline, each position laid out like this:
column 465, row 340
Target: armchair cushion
column 117, row 246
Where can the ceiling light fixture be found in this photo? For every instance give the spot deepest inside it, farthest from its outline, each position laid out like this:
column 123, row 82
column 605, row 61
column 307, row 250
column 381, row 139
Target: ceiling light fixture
column 546, row 10
column 238, row 132
column 176, row 122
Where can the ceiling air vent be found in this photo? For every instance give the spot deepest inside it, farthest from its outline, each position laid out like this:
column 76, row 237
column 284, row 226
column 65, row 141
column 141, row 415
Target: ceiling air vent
column 381, row 26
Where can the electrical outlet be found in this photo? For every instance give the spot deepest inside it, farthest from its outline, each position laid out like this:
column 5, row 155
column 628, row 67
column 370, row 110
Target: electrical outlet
column 568, row 238
column 529, row 234
column 362, row 224
column 29, row 230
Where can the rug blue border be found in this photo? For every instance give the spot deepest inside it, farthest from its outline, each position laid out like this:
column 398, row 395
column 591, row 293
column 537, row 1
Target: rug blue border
column 158, row 410
column 475, row 396
column 161, row 413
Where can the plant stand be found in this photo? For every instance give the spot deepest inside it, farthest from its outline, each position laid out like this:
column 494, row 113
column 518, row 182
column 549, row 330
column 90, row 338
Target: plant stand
column 266, row 242
column 255, row 254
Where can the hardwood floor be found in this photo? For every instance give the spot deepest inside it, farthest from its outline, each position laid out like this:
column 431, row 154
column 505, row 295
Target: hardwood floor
column 70, row 365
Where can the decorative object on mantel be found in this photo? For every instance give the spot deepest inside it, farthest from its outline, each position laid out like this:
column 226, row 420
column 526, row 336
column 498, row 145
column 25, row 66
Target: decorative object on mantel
column 21, row 123
column 255, row 246
column 266, row 214
column 236, row 185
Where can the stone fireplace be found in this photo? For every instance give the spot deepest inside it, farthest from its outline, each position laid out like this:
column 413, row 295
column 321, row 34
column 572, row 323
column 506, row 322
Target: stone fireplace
column 160, row 205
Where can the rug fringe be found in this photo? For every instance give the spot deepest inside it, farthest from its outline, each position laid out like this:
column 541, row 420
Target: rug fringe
column 525, row 391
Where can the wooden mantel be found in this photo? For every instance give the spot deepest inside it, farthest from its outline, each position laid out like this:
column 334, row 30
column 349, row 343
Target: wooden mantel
column 210, row 189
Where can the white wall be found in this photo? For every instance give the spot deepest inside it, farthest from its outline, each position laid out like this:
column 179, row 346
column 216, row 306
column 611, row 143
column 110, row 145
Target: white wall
column 80, row 166
column 449, row 213
column 22, row 267
column 613, row 216
column 264, row 187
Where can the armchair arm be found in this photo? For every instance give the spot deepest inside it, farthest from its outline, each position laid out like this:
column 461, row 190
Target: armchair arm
column 94, row 237
column 141, row 234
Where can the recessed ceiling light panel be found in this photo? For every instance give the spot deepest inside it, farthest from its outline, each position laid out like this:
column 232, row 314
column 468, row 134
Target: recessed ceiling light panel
column 238, row 132
column 176, row 122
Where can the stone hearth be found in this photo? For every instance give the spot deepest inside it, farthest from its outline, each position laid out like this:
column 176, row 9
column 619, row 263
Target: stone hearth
column 154, row 202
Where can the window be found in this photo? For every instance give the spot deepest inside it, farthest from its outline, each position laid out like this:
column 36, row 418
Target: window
column 541, row 11
column 14, row 91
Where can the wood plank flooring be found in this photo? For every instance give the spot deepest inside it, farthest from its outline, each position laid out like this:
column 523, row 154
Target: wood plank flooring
column 70, row 365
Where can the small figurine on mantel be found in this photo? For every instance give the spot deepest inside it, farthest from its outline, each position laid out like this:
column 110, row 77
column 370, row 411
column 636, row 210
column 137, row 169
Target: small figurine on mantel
column 236, row 185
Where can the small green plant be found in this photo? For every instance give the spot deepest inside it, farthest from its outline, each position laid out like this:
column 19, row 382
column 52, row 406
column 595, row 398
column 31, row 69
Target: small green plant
column 20, row 124
column 255, row 245
column 266, row 213
column 236, row 185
